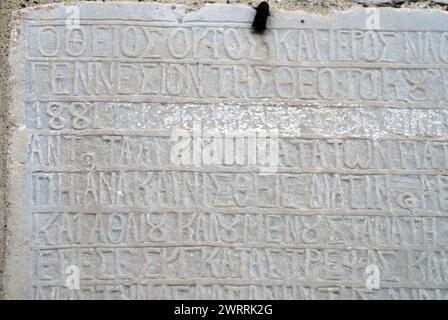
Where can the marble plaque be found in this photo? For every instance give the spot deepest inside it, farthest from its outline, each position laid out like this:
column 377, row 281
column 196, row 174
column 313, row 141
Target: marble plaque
column 158, row 153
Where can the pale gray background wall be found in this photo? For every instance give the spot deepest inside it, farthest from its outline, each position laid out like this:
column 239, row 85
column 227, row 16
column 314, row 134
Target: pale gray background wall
column 7, row 6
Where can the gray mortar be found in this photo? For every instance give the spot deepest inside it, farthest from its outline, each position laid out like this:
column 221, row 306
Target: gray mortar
column 7, row 6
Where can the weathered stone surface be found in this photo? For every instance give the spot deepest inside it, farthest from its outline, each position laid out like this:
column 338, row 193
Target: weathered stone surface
column 354, row 109
column 399, row 2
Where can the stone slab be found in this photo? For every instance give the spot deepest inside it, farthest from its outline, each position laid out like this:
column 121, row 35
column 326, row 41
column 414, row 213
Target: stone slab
column 110, row 187
column 397, row 2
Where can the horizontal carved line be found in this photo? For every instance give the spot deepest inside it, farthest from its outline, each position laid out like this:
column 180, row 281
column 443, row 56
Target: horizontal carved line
column 166, row 133
column 237, row 169
column 238, row 210
column 261, row 62
column 245, row 245
column 385, row 283
column 261, row 101
column 202, row 23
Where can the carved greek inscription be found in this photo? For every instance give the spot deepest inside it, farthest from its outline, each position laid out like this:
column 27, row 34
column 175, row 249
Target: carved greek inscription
column 361, row 154
column 328, row 65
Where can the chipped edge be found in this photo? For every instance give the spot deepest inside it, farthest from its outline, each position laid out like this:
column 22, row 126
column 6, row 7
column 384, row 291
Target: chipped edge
column 17, row 275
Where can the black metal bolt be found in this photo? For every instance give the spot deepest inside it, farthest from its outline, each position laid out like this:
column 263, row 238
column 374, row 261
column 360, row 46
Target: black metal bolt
column 259, row 24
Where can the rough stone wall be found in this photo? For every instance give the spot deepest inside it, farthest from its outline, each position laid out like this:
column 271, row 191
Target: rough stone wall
column 7, row 6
